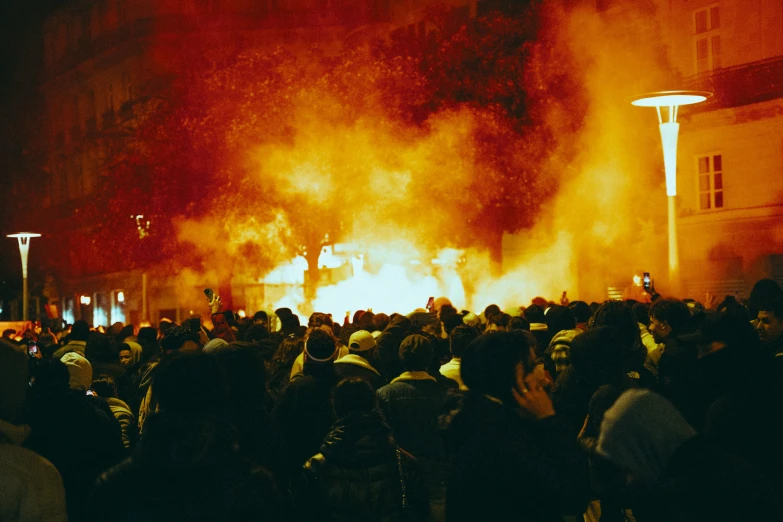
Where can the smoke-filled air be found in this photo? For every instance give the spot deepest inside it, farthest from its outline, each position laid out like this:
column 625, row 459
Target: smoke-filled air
column 392, row 175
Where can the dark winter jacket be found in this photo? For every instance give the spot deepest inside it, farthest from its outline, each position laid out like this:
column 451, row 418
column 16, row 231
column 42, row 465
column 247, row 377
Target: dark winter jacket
column 503, row 464
column 356, row 476
column 703, row 483
column 79, row 438
column 304, row 414
column 353, row 365
column 678, row 379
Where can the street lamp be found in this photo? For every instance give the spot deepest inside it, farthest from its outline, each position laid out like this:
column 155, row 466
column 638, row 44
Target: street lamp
column 24, row 247
column 669, row 132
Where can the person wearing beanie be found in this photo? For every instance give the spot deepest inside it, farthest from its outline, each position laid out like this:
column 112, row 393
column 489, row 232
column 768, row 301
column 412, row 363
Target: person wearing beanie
column 411, row 404
column 79, row 369
column 674, row 474
column 508, row 451
column 298, row 365
column 303, row 411
column 77, row 340
column 361, row 360
column 32, row 489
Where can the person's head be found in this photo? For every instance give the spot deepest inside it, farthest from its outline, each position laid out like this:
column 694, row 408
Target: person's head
column 641, row 312
column 498, row 322
column 79, row 370
column 361, row 343
column 619, row 315
column 518, row 323
column 534, row 314
column 148, row 339
column 288, row 350
column 560, row 348
column 320, row 319
column 492, row 362
column 9, row 333
column 13, row 381
column 190, row 382
column 763, row 291
column 101, row 348
column 559, row 318
column 130, row 353
column 353, row 396
column 770, row 320
column 668, row 317
column 581, row 311
column 165, row 325
column 257, row 332
column 320, row 347
column 380, row 322
column 127, row 331
column 80, row 331
column 179, row 339
column 104, row 387
column 491, row 311
column 416, row 353
column 261, row 318
column 640, row 433
column 366, row 321
column 460, row 338
column 597, row 355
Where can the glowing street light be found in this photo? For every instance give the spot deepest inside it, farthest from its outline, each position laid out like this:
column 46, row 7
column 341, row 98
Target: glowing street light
column 24, row 248
column 669, row 132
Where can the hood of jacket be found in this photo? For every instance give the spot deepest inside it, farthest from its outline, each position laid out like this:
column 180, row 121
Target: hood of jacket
column 357, row 360
column 359, row 440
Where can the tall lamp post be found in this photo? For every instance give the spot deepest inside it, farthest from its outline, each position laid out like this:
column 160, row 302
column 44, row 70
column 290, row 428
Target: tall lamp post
column 670, row 101
column 24, row 248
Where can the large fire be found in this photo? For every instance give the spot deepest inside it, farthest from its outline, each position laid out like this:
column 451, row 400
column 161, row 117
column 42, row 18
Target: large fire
column 335, row 165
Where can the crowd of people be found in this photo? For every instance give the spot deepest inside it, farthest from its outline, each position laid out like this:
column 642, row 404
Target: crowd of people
column 622, row 410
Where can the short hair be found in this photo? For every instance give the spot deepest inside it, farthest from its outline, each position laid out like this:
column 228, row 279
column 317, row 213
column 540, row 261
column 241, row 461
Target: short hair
column 641, row 313
column 460, row 338
column 176, row 337
column 619, row 315
column 773, row 306
column 260, row 316
column 534, row 314
column 353, row 395
column 500, row 319
column 518, row 323
column 581, row 311
column 763, row 291
column 673, row 311
column 319, row 319
column 190, row 383
column 380, row 322
column 489, row 363
column 320, row 344
column 491, row 310
column 80, row 331
column 104, row 386
column 257, row 332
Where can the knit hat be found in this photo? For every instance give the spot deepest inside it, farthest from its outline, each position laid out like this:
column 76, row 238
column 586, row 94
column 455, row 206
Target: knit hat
column 361, row 341
column 80, row 370
column 13, row 380
column 559, row 349
column 416, row 352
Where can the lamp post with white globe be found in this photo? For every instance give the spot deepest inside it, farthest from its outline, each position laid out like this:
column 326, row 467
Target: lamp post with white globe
column 24, row 248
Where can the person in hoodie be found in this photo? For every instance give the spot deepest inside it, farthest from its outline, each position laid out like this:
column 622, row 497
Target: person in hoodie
column 31, row 489
column 105, row 388
column 361, row 361
column 77, row 340
column 360, row 472
column 303, row 412
column 674, row 474
column 509, row 453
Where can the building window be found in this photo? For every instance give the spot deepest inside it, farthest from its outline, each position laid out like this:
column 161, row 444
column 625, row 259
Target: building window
column 710, row 182
column 706, row 38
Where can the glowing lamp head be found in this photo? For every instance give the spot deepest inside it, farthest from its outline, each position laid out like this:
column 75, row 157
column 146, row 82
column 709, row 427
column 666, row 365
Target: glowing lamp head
column 670, row 98
column 85, row 300
column 637, row 280
column 120, row 297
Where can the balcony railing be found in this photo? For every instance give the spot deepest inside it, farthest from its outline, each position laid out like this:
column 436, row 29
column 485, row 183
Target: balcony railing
column 740, row 85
